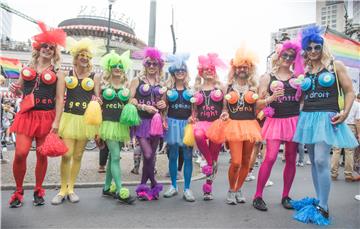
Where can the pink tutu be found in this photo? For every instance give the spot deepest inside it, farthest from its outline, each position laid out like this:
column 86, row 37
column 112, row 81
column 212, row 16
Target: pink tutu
column 279, row 128
column 202, row 125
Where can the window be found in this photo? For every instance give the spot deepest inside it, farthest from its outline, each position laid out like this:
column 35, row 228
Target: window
column 333, row 21
column 334, row 11
column 323, row 18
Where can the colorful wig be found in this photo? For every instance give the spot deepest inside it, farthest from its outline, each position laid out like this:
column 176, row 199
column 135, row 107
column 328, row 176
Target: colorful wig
column 150, row 53
column 298, row 62
column 93, row 47
column 311, row 34
column 113, row 58
column 177, row 61
column 51, row 36
column 211, row 61
column 244, row 56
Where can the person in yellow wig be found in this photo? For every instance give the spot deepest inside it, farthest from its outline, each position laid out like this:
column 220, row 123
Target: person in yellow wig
column 81, row 85
column 115, row 95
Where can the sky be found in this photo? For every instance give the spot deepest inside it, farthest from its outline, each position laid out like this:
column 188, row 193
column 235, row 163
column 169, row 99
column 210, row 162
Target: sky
column 201, row 26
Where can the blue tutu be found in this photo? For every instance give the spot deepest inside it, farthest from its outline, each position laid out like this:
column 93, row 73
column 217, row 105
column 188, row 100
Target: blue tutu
column 175, row 132
column 315, row 127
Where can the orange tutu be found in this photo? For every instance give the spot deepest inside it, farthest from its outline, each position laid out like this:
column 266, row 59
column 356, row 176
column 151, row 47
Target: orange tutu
column 234, row 130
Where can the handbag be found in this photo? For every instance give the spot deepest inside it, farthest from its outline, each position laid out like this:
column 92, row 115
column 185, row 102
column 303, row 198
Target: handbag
column 28, row 102
column 341, row 99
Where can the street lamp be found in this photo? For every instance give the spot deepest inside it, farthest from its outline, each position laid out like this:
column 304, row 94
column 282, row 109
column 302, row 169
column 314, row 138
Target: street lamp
column 109, row 22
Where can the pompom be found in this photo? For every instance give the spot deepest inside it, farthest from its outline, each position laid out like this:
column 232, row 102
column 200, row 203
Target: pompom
column 207, row 170
column 129, row 115
column 299, row 204
column 155, row 191
column 269, row 111
column 112, row 187
column 156, row 126
column 189, row 138
column 93, row 114
column 207, row 188
column 53, row 146
column 309, row 214
column 124, row 193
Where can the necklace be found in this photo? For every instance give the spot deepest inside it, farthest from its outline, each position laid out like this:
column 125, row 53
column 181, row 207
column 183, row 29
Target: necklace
column 313, row 76
column 206, row 98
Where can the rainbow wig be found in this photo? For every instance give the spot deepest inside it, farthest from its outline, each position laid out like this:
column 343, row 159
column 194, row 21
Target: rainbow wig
column 93, row 47
column 298, row 62
column 51, row 36
column 211, row 61
column 177, row 61
column 113, row 58
column 311, row 34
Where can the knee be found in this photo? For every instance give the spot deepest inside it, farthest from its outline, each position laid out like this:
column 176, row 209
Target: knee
column 270, row 159
column 199, row 134
column 20, row 158
column 321, row 163
column 235, row 165
column 77, row 157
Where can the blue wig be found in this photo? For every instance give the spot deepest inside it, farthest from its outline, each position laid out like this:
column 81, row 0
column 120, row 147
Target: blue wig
column 311, row 34
column 177, row 61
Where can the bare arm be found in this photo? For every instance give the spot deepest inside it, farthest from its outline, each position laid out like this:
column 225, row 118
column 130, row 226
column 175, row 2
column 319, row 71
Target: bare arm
column 133, row 85
column 97, row 83
column 59, row 100
column 263, row 86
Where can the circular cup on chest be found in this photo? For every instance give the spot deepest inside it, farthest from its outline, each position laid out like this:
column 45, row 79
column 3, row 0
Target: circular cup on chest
column 326, row 79
column 276, row 85
column 197, row 99
column 187, row 94
column 28, row 74
column 172, row 95
column 71, row 82
column 109, row 94
column 124, row 94
column 87, row 84
column 306, row 84
column 145, row 89
column 48, row 77
column 251, row 97
column 216, row 95
column 232, row 97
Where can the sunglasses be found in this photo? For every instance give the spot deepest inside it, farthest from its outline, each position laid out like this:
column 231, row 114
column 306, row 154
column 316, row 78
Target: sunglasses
column 119, row 66
column 316, row 48
column 286, row 56
column 180, row 71
column 151, row 63
column 47, row 46
column 84, row 55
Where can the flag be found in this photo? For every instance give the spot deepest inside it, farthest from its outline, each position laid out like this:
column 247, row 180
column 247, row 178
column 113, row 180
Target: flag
column 10, row 67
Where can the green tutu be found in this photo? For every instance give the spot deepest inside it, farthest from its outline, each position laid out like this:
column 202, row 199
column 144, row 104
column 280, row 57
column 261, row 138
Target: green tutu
column 114, row 131
column 73, row 126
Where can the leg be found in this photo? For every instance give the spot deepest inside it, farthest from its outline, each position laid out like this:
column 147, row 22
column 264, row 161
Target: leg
column 103, row 156
column 236, row 149
column 290, row 167
column 148, row 169
column 322, row 162
column 215, row 150
column 137, row 159
column 202, row 145
column 76, row 163
column 247, row 151
column 301, row 153
column 349, row 158
column 335, row 162
column 181, row 159
column 311, row 149
column 21, row 152
column 108, row 177
column 188, row 166
column 114, row 148
column 272, row 150
column 173, row 157
column 41, row 164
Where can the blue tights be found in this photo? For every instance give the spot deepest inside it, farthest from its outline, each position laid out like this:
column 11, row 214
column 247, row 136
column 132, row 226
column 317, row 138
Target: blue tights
column 319, row 154
column 173, row 166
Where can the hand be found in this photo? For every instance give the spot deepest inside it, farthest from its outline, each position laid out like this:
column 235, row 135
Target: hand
column 338, row 118
column 15, row 88
column 54, row 127
column 161, row 104
column 98, row 99
column 134, row 101
column 224, row 116
column 278, row 93
column 150, row 109
column 165, row 125
column 191, row 120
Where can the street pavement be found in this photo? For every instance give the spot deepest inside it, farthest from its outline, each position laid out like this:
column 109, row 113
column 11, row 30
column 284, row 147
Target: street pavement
column 95, row 211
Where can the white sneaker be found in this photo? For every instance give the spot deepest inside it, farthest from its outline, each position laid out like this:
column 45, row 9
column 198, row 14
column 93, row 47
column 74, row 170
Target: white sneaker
column 170, row 192
column 58, row 199
column 73, row 198
column 308, row 162
column 239, row 197
column 250, row 177
column 230, row 198
column 357, row 197
column 269, row 183
column 189, row 196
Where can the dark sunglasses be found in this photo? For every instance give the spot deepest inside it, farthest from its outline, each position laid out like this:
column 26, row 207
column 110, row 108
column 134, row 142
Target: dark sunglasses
column 316, row 48
column 151, row 63
column 242, row 68
column 45, row 46
column 180, row 70
column 119, row 66
column 84, row 55
column 286, row 56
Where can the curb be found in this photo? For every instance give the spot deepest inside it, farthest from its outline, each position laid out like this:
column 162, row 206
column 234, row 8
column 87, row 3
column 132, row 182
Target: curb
column 92, row 184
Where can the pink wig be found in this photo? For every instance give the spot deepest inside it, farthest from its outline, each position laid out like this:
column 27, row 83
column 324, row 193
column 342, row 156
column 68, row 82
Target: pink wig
column 298, row 62
column 150, row 53
column 211, row 61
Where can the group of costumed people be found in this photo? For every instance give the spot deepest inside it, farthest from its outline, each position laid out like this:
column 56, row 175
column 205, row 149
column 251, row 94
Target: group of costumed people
column 206, row 116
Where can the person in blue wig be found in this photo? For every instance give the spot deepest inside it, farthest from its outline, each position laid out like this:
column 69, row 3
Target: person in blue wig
column 328, row 97
column 179, row 111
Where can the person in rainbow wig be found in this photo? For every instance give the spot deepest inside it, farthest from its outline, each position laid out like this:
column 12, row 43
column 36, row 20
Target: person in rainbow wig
column 148, row 95
column 328, row 97
column 282, row 101
column 208, row 105
column 41, row 78
column 81, row 86
column 115, row 96
column 178, row 113
column 238, row 126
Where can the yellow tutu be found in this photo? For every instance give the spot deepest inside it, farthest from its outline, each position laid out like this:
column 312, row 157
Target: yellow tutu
column 73, row 126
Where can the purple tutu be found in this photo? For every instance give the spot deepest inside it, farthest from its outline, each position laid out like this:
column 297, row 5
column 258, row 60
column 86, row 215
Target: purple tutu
column 143, row 130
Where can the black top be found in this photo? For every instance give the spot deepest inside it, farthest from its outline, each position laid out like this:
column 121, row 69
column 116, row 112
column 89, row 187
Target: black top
column 44, row 94
column 241, row 110
column 209, row 110
column 319, row 98
column 151, row 99
column 285, row 106
column 180, row 108
column 111, row 109
column 77, row 98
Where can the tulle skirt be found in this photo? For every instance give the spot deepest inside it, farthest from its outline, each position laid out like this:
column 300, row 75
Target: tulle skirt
column 314, row 127
column 279, row 128
column 202, row 125
column 73, row 126
column 143, row 130
column 34, row 123
column 115, row 131
column 234, row 130
column 175, row 132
